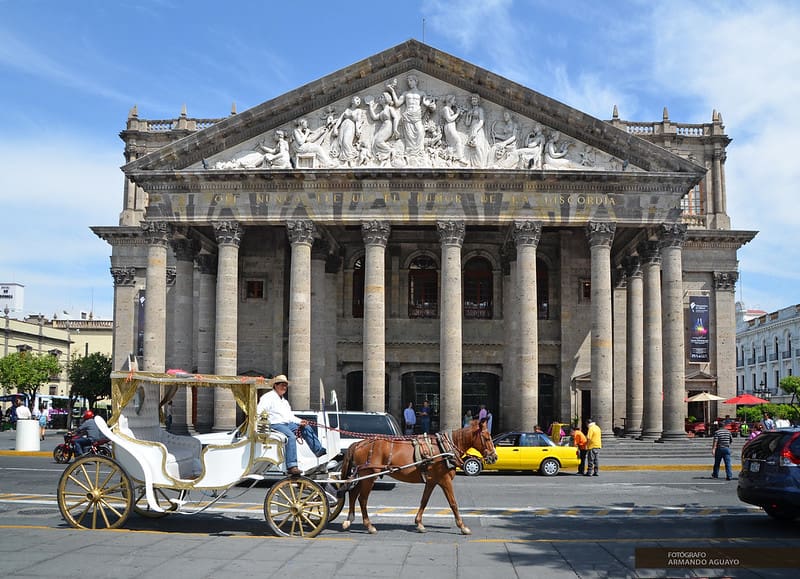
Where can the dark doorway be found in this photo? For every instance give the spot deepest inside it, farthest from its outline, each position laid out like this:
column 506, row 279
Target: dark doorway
column 547, row 403
column 479, row 388
column 419, row 387
column 586, row 406
column 355, row 391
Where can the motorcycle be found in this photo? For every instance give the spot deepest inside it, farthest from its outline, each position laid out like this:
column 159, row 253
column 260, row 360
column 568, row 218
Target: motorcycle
column 64, row 452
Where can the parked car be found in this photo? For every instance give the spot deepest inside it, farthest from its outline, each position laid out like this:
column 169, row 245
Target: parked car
column 351, row 424
column 524, row 451
column 770, row 475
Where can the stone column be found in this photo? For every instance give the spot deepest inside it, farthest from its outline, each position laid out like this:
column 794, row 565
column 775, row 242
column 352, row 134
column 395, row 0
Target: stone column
column 652, row 420
column 600, row 235
column 634, row 366
column 376, row 236
column 182, row 325
column 301, row 236
column 206, row 330
column 724, row 325
column 320, row 322
column 155, row 305
column 619, row 281
column 673, row 236
column 451, row 236
column 124, row 314
column 229, row 237
column 526, row 235
column 508, row 418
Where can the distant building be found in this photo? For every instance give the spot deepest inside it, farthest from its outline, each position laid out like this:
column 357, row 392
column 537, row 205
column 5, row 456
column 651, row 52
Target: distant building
column 767, row 350
column 12, row 299
column 61, row 338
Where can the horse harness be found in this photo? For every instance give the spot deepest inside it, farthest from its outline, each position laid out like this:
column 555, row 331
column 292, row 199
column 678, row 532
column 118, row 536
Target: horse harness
column 427, row 450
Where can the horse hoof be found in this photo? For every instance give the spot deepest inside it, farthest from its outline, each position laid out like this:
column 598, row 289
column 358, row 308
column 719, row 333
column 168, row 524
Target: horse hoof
column 465, row 531
column 372, row 530
column 345, row 525
column 421, row 528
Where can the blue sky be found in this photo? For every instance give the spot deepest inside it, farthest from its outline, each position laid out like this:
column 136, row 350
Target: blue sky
column 71, row 71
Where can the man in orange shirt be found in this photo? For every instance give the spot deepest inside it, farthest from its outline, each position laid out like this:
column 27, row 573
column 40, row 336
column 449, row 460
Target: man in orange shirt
column 579, row 440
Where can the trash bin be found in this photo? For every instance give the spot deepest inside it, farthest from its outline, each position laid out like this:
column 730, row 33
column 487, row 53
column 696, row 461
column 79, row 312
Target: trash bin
column 28, row 435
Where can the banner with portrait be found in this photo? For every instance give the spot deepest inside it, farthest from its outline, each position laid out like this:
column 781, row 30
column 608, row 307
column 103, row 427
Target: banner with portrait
column 699, row 331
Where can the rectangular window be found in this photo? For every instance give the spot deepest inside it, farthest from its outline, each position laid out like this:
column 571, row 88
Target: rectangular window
column 586, row 291
column 254, row 289
column 692, row 202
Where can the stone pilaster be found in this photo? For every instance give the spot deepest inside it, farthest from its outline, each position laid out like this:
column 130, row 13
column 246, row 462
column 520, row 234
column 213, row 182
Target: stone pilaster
column 320, row 323
column 301, row 236
column 673, row 236
column 619, row 319
column 376, row 236
column 229, row 236
column 652, row 417
column 451, row 236
column 181, row 335
column 124, row 314
column 724, row 325
column 600, row 235
column 526, row 236
column 634, row 346
column 206, row 330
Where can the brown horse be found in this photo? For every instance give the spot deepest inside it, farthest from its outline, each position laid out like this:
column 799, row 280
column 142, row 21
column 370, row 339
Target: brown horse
column 399, row 458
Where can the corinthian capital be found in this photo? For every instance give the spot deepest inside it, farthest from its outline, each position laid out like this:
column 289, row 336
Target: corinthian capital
column 376, row 232
column 527, row 232
column 156, row 232
column 600, row 233
column 123, row 276
column 673, row 234
column 301, row 231
column 726, row 280
column 451, row 232
column 228, row 232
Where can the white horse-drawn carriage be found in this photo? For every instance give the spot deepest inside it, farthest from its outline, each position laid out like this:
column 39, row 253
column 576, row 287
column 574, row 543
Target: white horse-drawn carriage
column 155, row 472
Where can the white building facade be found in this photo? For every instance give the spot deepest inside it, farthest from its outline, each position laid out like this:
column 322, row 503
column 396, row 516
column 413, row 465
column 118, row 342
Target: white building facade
column 414, row 227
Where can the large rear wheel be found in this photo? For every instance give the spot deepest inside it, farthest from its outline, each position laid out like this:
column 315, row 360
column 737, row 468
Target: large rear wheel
column 94, row 492
column 296, row 507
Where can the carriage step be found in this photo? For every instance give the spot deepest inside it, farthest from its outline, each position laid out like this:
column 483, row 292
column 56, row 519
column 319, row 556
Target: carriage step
column 254, row 476
column 177, row 503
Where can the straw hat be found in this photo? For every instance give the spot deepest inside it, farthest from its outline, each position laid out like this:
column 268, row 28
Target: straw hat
column 280, row 378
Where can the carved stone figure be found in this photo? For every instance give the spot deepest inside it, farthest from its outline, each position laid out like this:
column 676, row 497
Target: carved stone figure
column 347, row 130
column 555, row 152
column 306, row 144
column 530, row 156
column 477, row 147
column 388, row 120
column 455, row 143
column 277, row 157
column 412, row 121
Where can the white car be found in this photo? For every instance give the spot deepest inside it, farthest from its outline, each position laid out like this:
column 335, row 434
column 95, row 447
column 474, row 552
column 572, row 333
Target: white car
column 351, row 424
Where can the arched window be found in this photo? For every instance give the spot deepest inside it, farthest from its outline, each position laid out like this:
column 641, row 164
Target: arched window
column 478, row 289
column 423, row 288
column 358, row 288
column 542, row 290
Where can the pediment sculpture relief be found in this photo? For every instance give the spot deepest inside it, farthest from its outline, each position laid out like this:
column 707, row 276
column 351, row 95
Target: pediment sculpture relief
column 442, row 127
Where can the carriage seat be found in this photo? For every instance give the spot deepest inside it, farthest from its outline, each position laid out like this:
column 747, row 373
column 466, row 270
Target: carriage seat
column 182, row 452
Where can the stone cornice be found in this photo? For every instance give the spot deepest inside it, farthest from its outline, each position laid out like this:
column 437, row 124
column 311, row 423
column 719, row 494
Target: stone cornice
column 120, row 235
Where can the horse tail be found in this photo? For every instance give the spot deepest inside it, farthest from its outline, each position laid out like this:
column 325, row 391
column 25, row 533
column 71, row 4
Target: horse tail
column 347, row 462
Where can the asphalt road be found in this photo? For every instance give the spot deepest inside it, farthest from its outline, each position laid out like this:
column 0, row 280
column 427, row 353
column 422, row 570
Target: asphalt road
column 523, row 525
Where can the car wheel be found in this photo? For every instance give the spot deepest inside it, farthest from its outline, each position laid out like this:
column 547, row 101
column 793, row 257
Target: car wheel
column 781, row 514
column 472, row 467
column 549, row 467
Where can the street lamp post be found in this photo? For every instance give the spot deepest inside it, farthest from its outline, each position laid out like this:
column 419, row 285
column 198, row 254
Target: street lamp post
column 762, row 391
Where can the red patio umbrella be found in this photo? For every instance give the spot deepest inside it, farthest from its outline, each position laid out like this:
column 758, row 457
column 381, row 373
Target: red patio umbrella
column 746, row 400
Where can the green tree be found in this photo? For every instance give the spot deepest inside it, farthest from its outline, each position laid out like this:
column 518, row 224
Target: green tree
column 27, row 371
column 791, row 385
column 90, row 377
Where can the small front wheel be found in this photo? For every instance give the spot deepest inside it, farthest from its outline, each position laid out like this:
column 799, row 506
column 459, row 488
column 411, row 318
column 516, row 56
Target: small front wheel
column 94, row 492
column 296, row 507
column 472, row 467
column 549, row 467
column 62, row 454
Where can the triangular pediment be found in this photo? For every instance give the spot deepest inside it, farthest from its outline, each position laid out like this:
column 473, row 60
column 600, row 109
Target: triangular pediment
column 412, row 107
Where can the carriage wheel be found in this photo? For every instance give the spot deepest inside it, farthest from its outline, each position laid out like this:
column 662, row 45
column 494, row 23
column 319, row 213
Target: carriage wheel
column 95, row 493
column 142, row 508
column 296, row 507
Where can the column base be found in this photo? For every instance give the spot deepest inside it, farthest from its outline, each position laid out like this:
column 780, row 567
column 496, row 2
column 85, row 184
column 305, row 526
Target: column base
column 650, row 435
column 673, row 435
column 632, row 434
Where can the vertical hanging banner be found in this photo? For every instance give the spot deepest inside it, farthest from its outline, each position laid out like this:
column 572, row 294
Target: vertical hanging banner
column 699, row 329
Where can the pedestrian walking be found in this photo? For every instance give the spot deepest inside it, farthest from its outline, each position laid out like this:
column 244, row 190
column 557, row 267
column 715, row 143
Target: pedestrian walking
column 410, row 418
column 721, row 449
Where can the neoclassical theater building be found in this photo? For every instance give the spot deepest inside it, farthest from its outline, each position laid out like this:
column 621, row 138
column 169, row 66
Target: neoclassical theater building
column 414, row 227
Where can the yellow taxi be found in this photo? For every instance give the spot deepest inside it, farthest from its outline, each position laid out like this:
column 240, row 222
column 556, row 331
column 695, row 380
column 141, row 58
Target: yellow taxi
column 524, row 451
